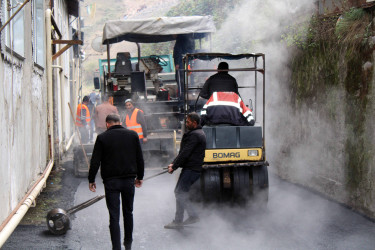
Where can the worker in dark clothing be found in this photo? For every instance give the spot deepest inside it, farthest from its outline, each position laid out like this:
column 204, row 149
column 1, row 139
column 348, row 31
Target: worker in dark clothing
column 190, row 159
column 135, row 120
column 184, row 44
column 219, row 82
column 118, row 152
column 83, row 119
column 226, row 108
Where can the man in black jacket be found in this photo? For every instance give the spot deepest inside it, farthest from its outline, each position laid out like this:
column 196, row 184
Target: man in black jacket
column 118, row 152
column 219, row 82
column 190, row 159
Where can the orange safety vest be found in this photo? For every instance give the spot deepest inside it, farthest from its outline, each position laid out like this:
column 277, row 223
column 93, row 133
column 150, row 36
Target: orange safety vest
column 79, row 117
column 110, row 100
column 132, row 123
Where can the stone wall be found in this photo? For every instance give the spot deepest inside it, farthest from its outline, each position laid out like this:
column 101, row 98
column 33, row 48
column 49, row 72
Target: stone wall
column 327, row 131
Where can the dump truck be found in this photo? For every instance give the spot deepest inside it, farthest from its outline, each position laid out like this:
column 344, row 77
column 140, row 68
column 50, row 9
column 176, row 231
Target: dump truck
column 235, row 166
column 150, row 81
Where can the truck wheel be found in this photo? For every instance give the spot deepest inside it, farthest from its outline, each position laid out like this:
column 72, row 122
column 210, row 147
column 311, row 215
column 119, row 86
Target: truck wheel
column 241, row 183
column 210, row 184
column 260, row 186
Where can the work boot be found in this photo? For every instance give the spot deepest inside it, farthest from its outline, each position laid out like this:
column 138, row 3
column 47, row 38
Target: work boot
column 191, row 220
column 174, row 225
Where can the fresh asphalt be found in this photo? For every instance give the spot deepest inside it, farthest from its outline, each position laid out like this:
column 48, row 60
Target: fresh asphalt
column 295, row 219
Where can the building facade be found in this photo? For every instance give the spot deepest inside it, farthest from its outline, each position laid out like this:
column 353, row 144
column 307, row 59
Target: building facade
column 40, row 78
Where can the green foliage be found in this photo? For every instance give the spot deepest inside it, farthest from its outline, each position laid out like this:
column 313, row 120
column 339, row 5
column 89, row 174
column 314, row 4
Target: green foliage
column 332, row 53
column 295, row 35
column 157, row 48
column 308, row 34
column 322, row 53
column 218, row 9
column 345, row 21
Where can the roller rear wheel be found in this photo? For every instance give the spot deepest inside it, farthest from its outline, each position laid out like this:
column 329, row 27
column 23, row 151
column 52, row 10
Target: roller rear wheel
column 241, row 183
column 260, row 186
column 210, row 184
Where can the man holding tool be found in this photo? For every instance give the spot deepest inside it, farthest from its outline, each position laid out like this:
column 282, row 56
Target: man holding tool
column 190, row 159
column 118, row 152
column 83, row 119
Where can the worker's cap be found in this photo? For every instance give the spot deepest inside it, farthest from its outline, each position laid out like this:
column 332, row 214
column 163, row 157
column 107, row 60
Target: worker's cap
column 128, row 100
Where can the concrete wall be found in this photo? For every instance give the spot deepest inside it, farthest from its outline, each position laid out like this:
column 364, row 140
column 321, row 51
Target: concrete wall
column 24, row 140
column 327, row 155
column 61, row 76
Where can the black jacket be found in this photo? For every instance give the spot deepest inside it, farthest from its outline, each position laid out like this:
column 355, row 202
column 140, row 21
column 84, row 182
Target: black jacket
column 118, row 152
column 226, row 108
column 219, row 82
column 193, row 146
column 184, row 44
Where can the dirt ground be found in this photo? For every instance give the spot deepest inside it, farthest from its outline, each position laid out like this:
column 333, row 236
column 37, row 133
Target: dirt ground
column 59, row 192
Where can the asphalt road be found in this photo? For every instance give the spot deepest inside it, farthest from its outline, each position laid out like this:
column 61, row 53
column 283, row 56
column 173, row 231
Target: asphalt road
column 295, row 219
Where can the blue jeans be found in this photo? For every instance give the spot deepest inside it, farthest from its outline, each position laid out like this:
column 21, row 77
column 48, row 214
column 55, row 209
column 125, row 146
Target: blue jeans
column 113, row 189
column 184, row 183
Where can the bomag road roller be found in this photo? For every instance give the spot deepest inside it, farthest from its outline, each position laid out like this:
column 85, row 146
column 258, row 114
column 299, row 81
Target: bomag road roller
column 235, row 166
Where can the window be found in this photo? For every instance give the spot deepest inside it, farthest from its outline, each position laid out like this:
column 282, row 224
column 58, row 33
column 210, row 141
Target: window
column 38, row 32
column 14, row 32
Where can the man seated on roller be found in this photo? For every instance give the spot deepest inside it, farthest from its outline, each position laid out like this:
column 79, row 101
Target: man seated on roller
column 226, row 108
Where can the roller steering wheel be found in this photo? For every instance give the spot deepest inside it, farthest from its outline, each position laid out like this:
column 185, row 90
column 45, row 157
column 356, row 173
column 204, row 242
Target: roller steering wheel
column 160, row 60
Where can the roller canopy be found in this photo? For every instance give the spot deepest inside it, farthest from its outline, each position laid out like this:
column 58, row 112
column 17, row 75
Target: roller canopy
column 159, row 29
column 226, row 56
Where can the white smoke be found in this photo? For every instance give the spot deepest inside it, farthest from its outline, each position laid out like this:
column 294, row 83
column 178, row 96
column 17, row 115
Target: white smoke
column 257, row 26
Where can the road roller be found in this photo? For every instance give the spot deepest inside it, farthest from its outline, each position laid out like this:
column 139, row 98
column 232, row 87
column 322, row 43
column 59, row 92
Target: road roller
column 235, row 166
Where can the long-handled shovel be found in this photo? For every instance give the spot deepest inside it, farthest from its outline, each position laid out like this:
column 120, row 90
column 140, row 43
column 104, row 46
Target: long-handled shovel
column 58, row 220
column 152, row 176
column 79, row 137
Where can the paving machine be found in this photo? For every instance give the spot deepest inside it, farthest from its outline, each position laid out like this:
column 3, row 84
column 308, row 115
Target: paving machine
column 150, row 81
column 235, row 166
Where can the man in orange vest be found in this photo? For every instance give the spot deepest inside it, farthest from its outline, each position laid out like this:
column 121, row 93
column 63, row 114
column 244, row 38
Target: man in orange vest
column 135, row 120
column 83, row 119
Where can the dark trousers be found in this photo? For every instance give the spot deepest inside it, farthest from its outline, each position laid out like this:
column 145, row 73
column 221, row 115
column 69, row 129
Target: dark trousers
column 84, row 134
column 185, row 181
column 113, row 189
column 180, row 79
column 92, row 129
